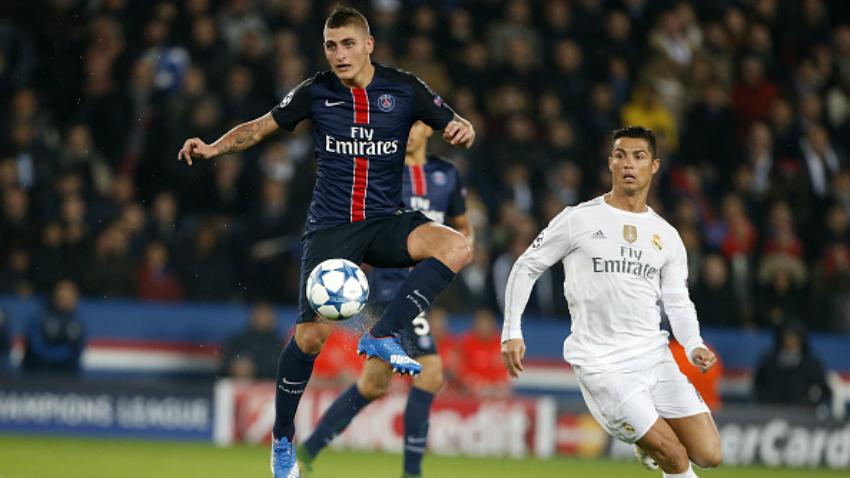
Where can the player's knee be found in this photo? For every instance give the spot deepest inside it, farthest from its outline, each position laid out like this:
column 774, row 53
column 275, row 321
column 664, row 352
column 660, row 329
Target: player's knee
column 310, row 339
column 709, row 459
column 431, row 379
column 457, row 252
column 671, row 456
column 374, row 383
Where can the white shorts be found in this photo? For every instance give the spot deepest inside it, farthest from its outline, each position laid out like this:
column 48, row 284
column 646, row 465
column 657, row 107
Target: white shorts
column 628, row 404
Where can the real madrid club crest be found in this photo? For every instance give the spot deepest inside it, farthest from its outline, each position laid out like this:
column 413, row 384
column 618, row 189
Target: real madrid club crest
column 630, row 233
column 656, row 241
column 386, row 102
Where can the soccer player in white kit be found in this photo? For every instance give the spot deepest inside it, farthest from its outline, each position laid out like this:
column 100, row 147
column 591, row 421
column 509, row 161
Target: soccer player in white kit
column 620, row 259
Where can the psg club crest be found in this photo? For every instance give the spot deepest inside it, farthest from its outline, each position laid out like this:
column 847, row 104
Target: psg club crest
column 439, row 178
column 386, row 103
column 630, row 233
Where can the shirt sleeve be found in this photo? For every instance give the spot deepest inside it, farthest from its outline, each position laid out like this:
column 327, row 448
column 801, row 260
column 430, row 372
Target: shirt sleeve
column 677, row 303
column 294, row 107
column 457, row 200
column 429, row 107
column 550, row 246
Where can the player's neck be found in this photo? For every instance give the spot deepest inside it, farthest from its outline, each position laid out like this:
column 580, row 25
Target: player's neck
column 628, row 202
column 363, row 78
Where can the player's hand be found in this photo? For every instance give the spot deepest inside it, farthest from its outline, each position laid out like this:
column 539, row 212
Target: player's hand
column 459, row 132
column 513, row 351
column 703, row 358
column 194, row 148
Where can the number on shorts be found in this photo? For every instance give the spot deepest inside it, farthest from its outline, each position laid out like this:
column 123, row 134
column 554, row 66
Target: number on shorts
column 421, row 326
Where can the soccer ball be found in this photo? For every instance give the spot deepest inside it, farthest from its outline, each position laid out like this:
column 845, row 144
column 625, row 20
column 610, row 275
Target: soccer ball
column 337, row 289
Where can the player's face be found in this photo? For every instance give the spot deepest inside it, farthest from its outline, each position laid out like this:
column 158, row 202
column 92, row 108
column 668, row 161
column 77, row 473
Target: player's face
column 347, row 50
column 418, row 137
column 631, row 164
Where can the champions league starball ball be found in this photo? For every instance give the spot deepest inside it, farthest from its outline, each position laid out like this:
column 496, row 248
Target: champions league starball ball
column 337, row 289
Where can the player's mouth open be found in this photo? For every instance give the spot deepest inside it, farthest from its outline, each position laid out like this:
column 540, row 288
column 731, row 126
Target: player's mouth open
column 629, row 178
column 343, row 67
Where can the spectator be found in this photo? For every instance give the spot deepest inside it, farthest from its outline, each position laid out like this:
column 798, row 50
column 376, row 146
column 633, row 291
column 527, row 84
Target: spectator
column 781, row 295
column 253, row 353
column 154, row 278
column 55, row 339
column 791, row 373
column 480, row 361
column 714, row 296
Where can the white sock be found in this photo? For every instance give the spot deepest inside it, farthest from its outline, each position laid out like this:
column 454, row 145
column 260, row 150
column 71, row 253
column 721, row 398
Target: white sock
column 689, row 473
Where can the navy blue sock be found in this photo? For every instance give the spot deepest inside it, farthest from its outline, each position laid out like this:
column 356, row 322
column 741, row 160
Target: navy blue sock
column 294, row 368
column 416, row 429
column 425, row 281
column 336, row 419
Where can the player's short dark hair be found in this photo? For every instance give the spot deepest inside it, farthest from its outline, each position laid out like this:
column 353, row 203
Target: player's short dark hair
column 342, row 16
column 639, row 132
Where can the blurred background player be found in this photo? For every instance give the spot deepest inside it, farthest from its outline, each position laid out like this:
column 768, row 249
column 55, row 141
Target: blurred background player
column 434, row 186
column 620, row 258
column 361, row 114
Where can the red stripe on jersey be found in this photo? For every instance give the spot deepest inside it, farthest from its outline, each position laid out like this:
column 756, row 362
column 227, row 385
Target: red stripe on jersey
column 361, row 106
column 417, row 180
column 358, row 189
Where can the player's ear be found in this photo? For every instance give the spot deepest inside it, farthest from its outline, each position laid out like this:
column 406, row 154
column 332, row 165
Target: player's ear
column 656, row 164
column 370, row 44
column 611, row 163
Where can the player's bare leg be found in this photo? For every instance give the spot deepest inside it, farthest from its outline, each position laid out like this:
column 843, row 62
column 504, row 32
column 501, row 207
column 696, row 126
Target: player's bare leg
column 699, row 435
column 662, row 444
column 431, row 379
column 374, row 381
column 440, row 242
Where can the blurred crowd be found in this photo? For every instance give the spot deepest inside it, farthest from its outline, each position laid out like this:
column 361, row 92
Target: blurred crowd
column 750, row 100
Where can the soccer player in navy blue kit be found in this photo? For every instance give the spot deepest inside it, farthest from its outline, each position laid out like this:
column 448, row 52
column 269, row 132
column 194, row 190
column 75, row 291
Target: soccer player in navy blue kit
column 433, row 186
column 361, row 113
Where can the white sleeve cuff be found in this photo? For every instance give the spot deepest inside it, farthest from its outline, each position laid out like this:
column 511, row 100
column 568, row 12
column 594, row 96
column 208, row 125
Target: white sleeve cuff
column 511, row 333
column 692, row 345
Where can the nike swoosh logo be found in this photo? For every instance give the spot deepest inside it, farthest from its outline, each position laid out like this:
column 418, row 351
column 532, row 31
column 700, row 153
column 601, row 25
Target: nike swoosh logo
column 333, row 103
column 287, row 382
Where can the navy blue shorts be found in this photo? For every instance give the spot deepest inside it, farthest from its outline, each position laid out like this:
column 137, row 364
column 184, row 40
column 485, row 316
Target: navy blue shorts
column 416, row 340
column 379, row 242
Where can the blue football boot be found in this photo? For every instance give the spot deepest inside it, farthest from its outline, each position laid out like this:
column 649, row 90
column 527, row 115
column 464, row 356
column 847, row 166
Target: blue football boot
column 389, row 350
column 283, row 459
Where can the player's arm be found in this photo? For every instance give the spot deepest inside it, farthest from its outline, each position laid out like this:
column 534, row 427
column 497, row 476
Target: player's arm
column 459, row 132
column 680, row 310
column 237, row 139
column 430, row 108
column 550, row 246
column 294, row 108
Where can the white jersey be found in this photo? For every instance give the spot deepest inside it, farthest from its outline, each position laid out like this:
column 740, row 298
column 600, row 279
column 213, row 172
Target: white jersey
column 618, row 266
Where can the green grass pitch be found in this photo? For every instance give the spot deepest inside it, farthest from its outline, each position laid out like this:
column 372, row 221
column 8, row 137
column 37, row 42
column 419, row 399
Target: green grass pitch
column 23, row 456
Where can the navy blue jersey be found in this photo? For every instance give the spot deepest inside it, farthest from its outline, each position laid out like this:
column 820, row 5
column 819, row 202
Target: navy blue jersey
column 437, row 190
column 360, row 136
